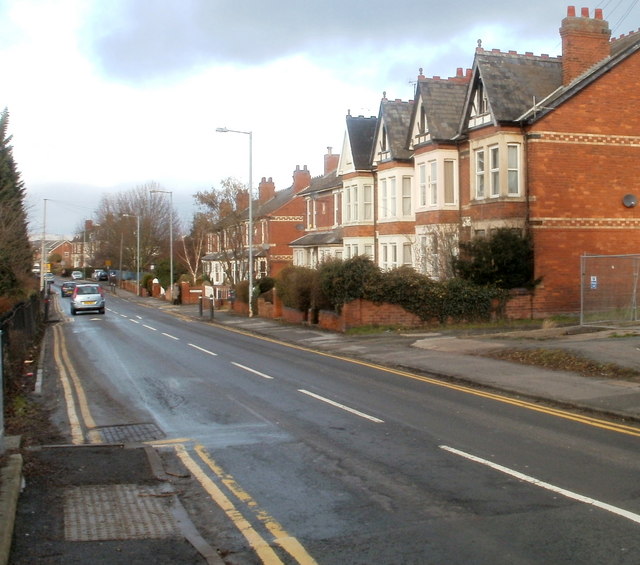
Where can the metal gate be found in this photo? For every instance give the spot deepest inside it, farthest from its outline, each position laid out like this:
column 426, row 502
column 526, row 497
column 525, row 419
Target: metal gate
column 609, row 289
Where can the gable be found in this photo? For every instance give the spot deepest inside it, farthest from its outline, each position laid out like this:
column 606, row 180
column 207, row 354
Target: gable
column 390, row 142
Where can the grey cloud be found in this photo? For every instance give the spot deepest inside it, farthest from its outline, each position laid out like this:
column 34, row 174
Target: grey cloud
column 137, row 41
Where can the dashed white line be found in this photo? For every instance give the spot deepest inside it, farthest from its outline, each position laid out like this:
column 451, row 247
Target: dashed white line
column 149, row 327
column 202, row 349
column 342, row 406
column 566, row 493
column 124, row 316
column 171, row 336
column 252, row 370
column 134, row 321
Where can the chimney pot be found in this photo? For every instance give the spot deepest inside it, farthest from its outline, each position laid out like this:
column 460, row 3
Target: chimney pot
column 571, row 12
column 584, row 12
column 598, row 14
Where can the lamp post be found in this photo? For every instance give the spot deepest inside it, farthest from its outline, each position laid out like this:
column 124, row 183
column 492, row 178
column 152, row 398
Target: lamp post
column 170, row 193
column 250, row 238
column 137, row 250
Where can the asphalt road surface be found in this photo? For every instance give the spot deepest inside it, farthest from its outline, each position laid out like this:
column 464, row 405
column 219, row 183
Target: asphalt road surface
column 302, row 457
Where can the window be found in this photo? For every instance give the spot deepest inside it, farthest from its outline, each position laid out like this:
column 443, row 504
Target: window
column 406, row 254
column 494, row 171
column 423, row 185
column 406, row 196
column 368, row 250
column 393, row 210
column 480, row 173
column 309, row 216
column 513, row 169
column 336, row 209
column 433, row 182
column 354, row 204
column 449, row 188
column 367, row 205
column 347, row 204
column 383, row 199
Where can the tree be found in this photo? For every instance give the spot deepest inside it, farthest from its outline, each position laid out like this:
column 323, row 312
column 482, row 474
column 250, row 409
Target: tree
column 116, row 224
column 193, row 244
column 16, row 254
column 504, row 260
column 226, row 211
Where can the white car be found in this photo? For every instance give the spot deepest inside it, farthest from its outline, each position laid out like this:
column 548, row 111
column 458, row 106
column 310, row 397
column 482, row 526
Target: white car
column 76, row 275
column 87, row 297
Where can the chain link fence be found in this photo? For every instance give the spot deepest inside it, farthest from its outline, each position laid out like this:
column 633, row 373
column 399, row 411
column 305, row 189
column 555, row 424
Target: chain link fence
column 609, row 289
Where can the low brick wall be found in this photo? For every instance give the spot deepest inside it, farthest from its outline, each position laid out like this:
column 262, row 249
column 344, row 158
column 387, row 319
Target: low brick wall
column 329, row 320
column 293, row 316
column 520, row 305
column 365, row 313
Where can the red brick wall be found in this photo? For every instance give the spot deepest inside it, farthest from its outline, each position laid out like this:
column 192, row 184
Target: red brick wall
column 584, row 157
column 365, row 313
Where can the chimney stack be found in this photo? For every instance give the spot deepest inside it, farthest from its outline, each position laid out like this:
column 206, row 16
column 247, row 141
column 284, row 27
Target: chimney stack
column 242, row 200
column 330, row 161
column 266, row 189
column 585, row 42
column 301, row 179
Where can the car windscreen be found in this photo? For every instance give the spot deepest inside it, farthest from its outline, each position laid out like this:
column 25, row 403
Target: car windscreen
column 88, row 290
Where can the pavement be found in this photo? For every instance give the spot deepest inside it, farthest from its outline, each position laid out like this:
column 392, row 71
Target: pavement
column 455, row 356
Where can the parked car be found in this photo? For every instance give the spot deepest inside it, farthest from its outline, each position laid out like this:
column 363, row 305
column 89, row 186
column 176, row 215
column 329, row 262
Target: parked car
column 87, row 297
column 76, row 275
column 66, row 289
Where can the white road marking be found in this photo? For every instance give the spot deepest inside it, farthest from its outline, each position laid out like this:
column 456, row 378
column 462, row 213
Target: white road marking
column 124, row 315
column 566, row 493
column 252, row 371
column 171, row 336
column 149, row 327
column 139, row 317
column 342, row 406
column 202, row 349
column 134, row 321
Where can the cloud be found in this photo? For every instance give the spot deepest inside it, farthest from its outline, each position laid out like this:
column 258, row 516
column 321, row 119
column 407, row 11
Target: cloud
column 151, row 41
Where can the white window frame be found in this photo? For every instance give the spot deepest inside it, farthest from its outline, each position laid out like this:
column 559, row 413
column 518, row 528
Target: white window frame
column 433, row 183
column 384, row 210
column 393, row 201
column 367, row 204
column 480, row 166
column 494, row 170
column 513, row 169
column 406, row 196
column 422, row 172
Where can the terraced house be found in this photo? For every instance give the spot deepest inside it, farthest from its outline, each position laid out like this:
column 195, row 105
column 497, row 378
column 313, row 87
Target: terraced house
column 544, row 145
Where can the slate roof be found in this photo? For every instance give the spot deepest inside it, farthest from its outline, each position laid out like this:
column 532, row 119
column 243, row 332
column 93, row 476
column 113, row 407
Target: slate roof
column 321, row 184
column 443, row 102
column 395, row 115
column 361, row 133
column 333, row 237
column 620, row 50
column 513, row 81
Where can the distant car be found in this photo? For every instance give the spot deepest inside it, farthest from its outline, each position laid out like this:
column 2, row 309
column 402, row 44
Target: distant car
column 76, row 275
column 87, row 297
column 48, row 277
column 66, row 289
column 103, row 276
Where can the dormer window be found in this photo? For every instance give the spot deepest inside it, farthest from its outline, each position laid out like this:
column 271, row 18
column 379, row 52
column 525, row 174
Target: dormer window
column 480, row 113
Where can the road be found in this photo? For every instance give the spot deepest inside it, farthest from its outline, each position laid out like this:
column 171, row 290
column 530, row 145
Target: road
column 303, row 457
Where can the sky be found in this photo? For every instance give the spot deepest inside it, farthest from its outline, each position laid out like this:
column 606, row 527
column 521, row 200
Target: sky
column 108, row 95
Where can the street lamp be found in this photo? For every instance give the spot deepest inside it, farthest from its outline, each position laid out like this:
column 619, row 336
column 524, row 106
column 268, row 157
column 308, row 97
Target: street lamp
column 170, row 193
column 250, row 238
column 137, row 250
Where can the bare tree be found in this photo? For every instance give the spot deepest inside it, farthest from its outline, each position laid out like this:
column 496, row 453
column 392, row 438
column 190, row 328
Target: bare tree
column 117, row 217
column 227, row 210
column 435, row 250
column 194, row 245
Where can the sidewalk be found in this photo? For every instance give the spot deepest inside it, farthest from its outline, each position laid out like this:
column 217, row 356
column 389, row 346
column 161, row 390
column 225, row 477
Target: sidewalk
column 86, row 492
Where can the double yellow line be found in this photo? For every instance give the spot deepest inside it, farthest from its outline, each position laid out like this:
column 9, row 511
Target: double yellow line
column 73, row 393
column 81, row 419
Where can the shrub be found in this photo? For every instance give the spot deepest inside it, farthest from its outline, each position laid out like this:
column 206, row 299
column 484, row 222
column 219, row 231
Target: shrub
column 294, row 287
column 504, row 260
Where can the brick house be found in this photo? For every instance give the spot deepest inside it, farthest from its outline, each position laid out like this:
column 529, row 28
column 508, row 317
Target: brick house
column 552, row 145
column 545, row 145
column 323, row 217
column 278, row 218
